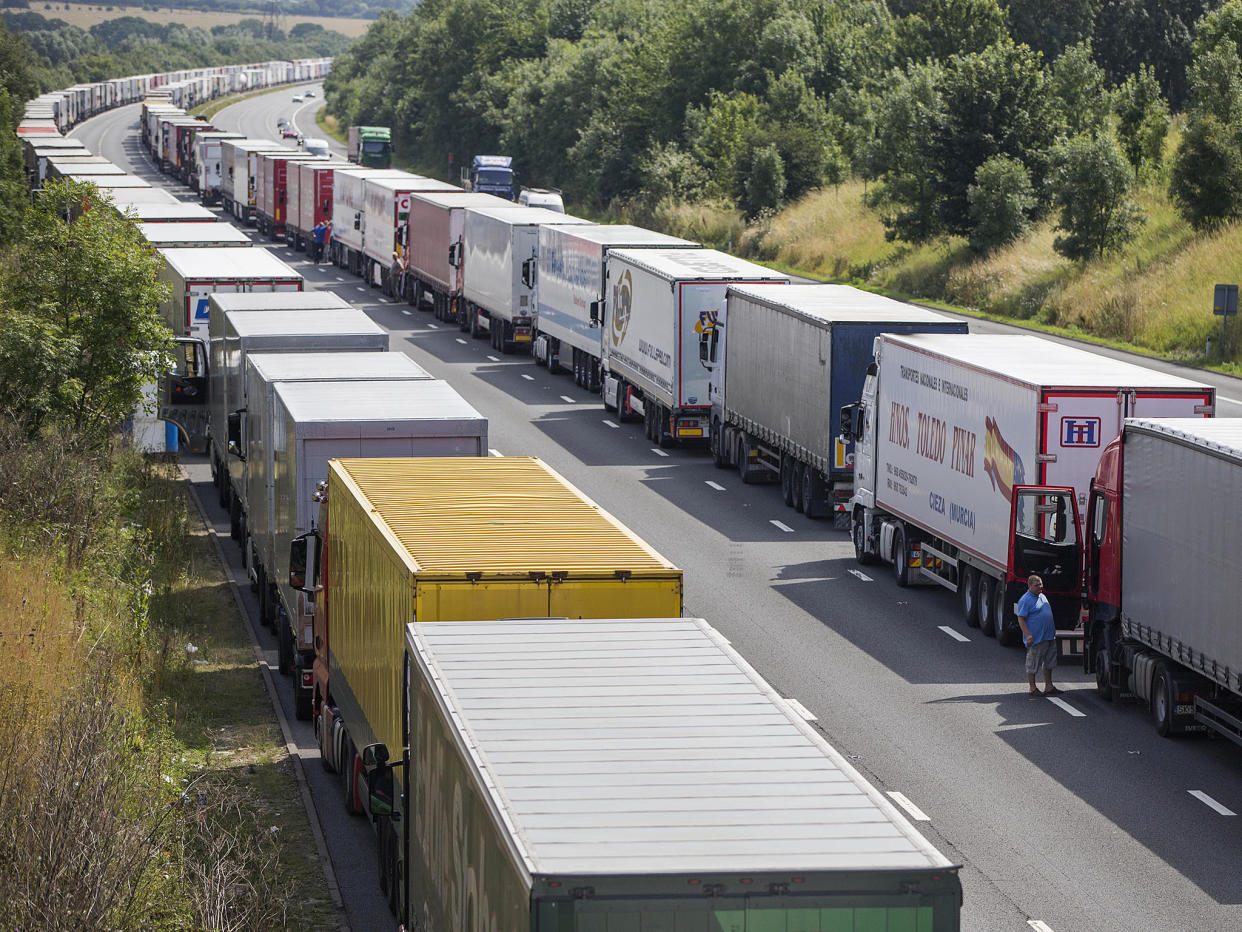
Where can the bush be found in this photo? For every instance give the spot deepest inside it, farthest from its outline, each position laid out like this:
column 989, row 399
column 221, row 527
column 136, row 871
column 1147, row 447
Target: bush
column 1206, row 181
column 765, row 185
column 1091, row 180
column 1001, row 201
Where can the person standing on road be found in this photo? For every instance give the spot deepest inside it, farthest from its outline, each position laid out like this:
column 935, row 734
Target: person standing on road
column 1039, row 634
column 320, row 234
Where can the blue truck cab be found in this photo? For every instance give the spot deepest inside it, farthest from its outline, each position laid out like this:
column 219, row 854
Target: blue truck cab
column 492, row 174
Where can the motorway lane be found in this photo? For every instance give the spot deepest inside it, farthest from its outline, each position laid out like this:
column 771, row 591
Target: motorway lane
column 1083, row 822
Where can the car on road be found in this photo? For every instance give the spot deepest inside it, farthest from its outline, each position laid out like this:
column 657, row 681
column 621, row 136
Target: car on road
column 288, row 132
column 310, row 93
column 297, row 98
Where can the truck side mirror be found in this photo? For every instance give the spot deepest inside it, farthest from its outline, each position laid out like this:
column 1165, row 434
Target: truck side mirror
column 527, row 278
column 304, row 562
column 455, row 255
column 235, row 434
column 357, row 221
column 379, row 780
column 597, row 313
column 846, row 426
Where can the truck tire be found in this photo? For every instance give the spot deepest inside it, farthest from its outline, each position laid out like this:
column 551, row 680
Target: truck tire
column 797, row 475
column 1162, row 701
column 302, row 706
column 284, row 642
column 968, row 593
column 663, row 427
column 858, row 531
column 1008, row 634
column 787, row 488
column 901, row 561
column 810, row 491
column 1103, row 682
column 987, row 623
column 349, row 776
column 718, row 446
column 744, row 469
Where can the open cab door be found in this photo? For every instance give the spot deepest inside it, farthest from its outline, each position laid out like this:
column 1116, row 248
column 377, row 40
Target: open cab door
column 182, row 391
column 1045, row 540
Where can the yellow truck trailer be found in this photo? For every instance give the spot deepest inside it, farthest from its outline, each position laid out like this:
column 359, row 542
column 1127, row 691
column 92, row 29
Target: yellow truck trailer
column 451, row 539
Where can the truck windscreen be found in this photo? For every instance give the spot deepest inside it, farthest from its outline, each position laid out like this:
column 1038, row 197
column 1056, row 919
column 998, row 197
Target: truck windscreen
column 375, row 147
column 492, row 176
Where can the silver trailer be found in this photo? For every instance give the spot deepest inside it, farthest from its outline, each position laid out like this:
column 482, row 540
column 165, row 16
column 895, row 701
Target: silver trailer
column 192, row 235
column 236, row 333
column 1163, row 537
column 662, row 304
column 176, row 212
column 349, row 213
column 501, row 252
column 239, row 184
column 572, row 279
column 194, row 274
column 789, row 359
column 565, row 775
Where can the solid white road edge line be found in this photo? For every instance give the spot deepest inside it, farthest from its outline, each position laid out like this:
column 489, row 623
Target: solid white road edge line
column 913, row 811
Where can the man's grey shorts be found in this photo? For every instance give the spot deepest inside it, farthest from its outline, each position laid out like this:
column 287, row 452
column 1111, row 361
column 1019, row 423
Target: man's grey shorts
column 1041, row 656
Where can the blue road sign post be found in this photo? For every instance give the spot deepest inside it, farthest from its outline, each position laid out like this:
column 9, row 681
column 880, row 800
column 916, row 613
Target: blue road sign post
column 1224, row 306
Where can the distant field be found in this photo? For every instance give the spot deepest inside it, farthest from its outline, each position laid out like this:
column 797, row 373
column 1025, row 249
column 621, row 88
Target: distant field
column 84, row 16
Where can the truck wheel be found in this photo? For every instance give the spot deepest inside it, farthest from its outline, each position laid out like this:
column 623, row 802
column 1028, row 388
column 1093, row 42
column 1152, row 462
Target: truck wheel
column 987, row 622
column 901, row 560
column 743, row 460
column 323, row 734
column 968, row 590
column 302, row 706
column 859, row 533
column 1162, row 701
column 1103, row 684
column 1008, row 634
column 235, row 526
column 284, row 641
column 663, row 429
column 349, row 775
column 787, row 468
column 719, row 444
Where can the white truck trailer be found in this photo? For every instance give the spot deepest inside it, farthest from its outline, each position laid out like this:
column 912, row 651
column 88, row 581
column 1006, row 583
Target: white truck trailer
column 208, row 170
column 193, row 235
column 349, row 205
column 950, row 429
column 597, row 774
column 572, row 280
column 501, row 253
column 1163, row 535
column 789, row 359
column 194, row 274
column 239, row 184
column 237, row 333
column 386, row 214
column 661, row 303
column 434, row 270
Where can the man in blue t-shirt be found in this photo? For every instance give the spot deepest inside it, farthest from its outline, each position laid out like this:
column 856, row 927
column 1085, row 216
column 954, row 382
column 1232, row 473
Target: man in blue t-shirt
column 1039, row 634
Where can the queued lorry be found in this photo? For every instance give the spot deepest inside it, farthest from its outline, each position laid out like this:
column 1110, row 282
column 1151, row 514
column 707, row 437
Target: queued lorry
column 304, row 409
column 500, row 263
column 238, row 188
column 573, row 280
column 434, row 271
column 385, row 220
column 662, row 302
column 272, row 189
column 490, row 174
column 194, row 275
column 348, row 212
column 186, row 235
column 1162, row 539
column 310, row 199
column 209, row 169
column 563, row 775
column 448, row 539
column 370, row 146
column 819, row 339
column 973, row 458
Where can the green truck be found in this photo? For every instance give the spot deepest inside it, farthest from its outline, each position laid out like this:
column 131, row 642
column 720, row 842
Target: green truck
column 371, row 146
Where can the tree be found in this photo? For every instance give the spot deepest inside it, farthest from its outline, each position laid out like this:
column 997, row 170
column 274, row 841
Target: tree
column 765, row 184
column 1130, row 33
column 1091, row 181
column 1142, row 118
column 1206, row 180
column 1001, row 201
column 1079, row 84
column 81, row 333
column 938, row 29
column 13, row 190
column 1051, row 26
column 1215, row 79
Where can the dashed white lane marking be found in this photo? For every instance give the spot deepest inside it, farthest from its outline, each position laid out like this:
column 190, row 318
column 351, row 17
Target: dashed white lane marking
column 658, row 452
column 385, row 300
column 434, row 326
column 953, row 634
column 493, row 358
column 1039, row 925
column 913, row 811
column 340, row 278
column 1210, row 802
column 493, row 452
column 360, row 288
column 715, row 485
column 1066, row 707
column 528, row 378
column 461, row 341
column 612, row 425
column 782, row 525
column 568, row 400
column 804, row 713
column 407, row 313
column 861, row 575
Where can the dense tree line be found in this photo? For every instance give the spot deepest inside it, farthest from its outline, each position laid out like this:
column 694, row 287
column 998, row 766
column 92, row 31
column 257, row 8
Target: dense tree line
column 357, row 9
column 64, row 54
column 971, row 117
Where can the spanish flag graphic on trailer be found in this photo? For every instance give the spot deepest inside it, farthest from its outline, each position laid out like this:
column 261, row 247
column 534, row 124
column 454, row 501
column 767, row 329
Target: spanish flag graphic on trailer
column 1001, row 462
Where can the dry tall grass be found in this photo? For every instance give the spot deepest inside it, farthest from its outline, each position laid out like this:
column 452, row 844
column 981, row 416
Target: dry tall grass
column 86, row 15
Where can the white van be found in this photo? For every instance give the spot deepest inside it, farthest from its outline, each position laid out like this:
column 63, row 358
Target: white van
column 541, row 197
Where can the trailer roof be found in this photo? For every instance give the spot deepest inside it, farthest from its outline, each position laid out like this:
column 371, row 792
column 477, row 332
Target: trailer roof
column 110, row 182
column 177, row 212
column 521, row 215
column 460, row 199
column 322, row 367
column 1038, row 362
column 227, row 264
column 628, row 746
column 294, row 324
column 838, row 304
column 398, row 399
column 57, row 142
column 1220, row 435
column 72, row 167
column 486, row 519
column 123, row 196
column 409, row 183
column 280, row 301
column 193, row 233
column 696, row 265
column 624, row 234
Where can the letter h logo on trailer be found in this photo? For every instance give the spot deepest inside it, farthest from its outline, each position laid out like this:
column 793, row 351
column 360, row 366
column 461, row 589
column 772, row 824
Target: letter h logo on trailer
column 1080, row 431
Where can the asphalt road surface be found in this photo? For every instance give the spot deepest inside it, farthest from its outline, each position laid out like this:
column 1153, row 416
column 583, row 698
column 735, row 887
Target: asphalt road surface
column 1067, row 814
